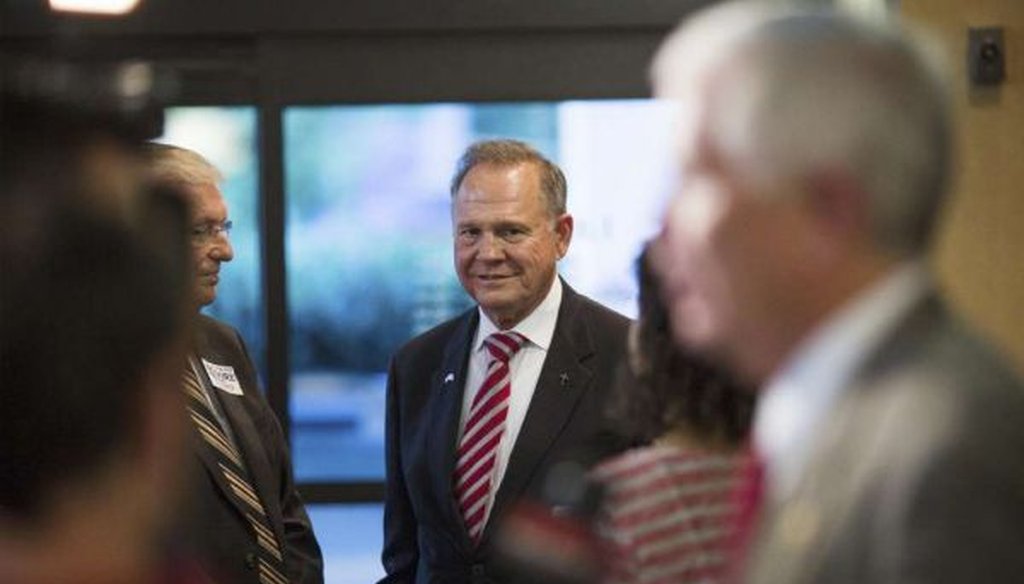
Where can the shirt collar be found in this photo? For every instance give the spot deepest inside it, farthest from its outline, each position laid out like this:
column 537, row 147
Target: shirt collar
column 538, row 326
column 797, row 398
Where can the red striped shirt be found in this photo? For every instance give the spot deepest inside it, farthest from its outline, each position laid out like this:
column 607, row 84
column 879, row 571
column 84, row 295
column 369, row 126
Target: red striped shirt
column 667, row 515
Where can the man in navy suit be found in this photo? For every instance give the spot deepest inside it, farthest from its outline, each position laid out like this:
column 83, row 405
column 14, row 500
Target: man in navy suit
column 482, row 406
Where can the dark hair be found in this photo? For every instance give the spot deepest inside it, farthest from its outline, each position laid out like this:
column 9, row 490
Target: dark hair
column 671, row 388
column 512, row 153
column 85, row 309
column 88, row 300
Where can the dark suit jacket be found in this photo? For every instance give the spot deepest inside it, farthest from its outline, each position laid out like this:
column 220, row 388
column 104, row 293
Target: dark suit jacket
column 424, row 536
column 918, row 474
column 216, row 532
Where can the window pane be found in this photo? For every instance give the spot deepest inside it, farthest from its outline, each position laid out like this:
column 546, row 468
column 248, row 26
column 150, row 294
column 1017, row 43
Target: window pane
column 351, row 537
column 368, row 241
column 226, row 136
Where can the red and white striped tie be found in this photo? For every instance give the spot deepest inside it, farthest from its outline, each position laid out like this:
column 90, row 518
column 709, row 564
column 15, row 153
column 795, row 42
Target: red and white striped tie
column 485, row 425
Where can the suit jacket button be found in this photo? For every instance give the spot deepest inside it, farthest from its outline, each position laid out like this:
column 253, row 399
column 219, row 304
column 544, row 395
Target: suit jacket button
column 478, row 570
column 250, row 561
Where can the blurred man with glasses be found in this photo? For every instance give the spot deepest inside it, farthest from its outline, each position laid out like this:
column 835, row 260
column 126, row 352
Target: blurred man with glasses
column 815, row 156
column 247, row 522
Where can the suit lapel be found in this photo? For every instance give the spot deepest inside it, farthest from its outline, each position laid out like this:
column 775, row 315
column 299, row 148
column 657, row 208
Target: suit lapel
column 240, row 426
column 564, row 379
column 847, row 446
column 447, row 390
column 246, row 436
column 209, row 461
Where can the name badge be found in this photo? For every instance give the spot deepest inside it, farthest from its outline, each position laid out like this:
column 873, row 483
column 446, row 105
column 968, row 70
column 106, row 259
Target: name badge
column 223, row 377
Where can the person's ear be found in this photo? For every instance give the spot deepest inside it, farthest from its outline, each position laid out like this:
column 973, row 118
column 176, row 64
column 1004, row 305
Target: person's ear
column 838, row 211
column 839, row 206
column 563, row 233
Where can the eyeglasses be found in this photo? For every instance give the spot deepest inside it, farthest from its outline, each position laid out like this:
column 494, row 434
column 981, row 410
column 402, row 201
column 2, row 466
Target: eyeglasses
column 207, row 232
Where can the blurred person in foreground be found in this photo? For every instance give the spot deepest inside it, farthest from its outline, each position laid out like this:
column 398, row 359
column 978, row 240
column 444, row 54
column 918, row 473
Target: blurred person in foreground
column 246, row 522
column 481, row 407
column 668, row 508
column 93, row 332
column 815, row 159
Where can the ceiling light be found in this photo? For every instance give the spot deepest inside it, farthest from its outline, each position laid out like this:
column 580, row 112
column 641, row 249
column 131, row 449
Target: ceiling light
column 94, row 6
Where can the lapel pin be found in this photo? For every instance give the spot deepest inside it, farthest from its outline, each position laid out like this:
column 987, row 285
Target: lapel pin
column 563, row 379
column 449, row 377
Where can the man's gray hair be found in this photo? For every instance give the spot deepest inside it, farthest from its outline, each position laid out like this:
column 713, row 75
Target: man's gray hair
column 174, row 165
column 811, row 91
column 504, row 153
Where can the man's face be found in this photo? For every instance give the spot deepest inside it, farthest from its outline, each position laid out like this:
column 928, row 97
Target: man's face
column 726, row 257
column 210, row 247
column 507, row 244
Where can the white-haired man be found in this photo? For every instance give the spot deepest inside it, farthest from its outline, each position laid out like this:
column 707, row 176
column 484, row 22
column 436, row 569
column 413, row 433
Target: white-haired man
column 815, row 160
column 247, row 522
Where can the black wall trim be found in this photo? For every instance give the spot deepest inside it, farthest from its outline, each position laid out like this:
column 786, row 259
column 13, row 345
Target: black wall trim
column 26, row 18
column 460, row 67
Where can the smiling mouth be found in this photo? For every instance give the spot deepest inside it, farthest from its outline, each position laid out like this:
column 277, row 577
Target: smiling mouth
column 492, row 277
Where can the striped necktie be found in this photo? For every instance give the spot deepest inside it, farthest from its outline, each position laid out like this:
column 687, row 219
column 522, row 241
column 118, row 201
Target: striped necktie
column 269, row 562
column 485, row 425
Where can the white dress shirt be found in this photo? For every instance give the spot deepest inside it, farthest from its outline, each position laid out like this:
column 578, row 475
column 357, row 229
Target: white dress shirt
column 524, row 367
column 798, row 398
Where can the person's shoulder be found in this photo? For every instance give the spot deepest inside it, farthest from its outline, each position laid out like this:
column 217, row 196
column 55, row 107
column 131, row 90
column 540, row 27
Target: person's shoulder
column 214, row 328
column 586, row 310
column 963, row 375
column 216, row 337
column 434, row 340
column 948, row 358
column 940, row 393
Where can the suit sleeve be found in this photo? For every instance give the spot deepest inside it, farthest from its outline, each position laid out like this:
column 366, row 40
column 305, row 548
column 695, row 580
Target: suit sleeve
column 303, row 558
column 401, row 549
